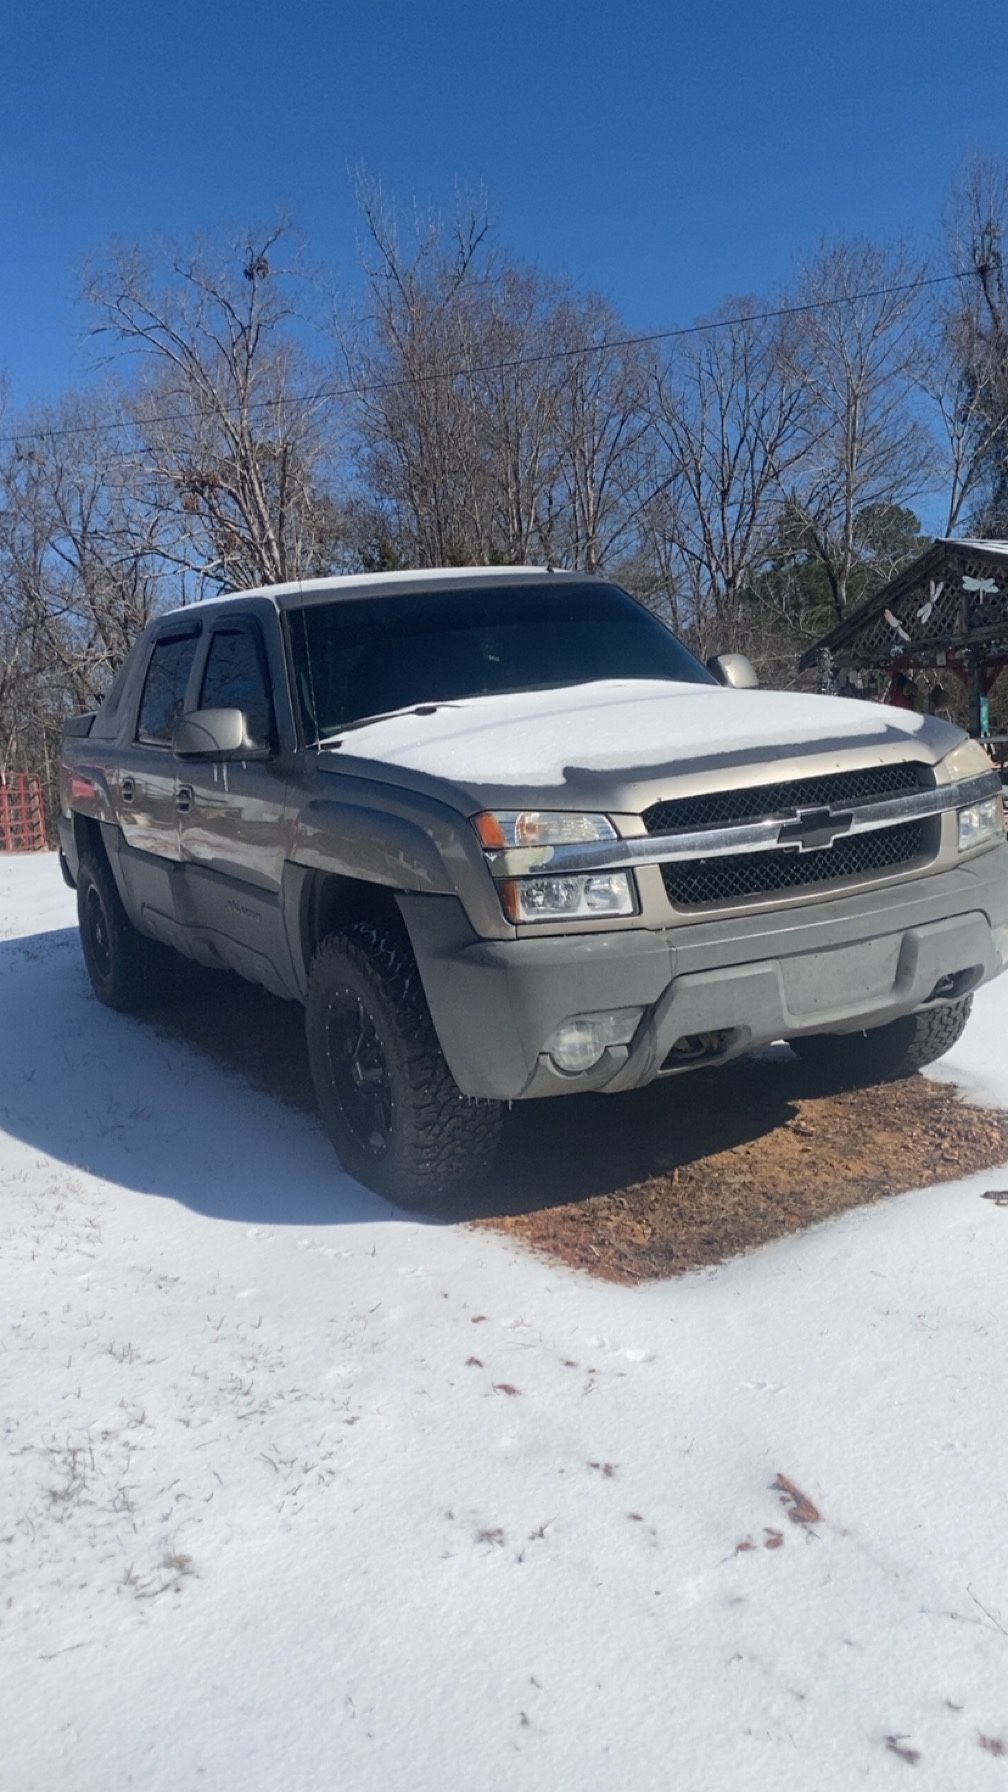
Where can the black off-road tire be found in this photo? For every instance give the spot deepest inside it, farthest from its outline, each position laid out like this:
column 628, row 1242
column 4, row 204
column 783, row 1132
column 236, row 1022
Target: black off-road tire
column 395, row 1114
column 884, row 1054
column 127, row 971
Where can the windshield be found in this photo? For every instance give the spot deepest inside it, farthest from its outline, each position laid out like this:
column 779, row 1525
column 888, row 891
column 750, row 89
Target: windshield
column 364, row 657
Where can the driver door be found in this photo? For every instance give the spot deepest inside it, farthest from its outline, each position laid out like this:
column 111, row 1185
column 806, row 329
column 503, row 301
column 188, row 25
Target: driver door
column 233, row 825
column 146, row 789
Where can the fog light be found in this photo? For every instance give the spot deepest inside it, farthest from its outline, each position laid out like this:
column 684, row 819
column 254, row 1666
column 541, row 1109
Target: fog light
column 579, row 1043
column 980, row 822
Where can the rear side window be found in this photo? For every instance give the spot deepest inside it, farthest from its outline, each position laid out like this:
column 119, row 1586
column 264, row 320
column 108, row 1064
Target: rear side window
column 165, row 688
column 235, row 678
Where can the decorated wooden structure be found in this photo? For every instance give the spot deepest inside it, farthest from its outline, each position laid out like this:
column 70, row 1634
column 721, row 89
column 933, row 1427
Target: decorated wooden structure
column 22, row 813
column 949, row 610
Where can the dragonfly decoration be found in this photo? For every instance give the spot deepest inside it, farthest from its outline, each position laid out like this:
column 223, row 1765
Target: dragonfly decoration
column 895, row 623
column 982, row 587
column 934, row 593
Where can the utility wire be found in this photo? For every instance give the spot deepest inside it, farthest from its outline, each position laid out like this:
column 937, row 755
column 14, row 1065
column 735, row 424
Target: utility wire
column 511, row 365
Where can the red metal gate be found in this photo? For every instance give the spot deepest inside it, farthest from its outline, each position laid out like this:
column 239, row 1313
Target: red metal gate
column 22, row 813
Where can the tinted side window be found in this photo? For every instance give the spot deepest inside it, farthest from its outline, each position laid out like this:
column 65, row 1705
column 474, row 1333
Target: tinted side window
column 235, row 678
column 165, row 688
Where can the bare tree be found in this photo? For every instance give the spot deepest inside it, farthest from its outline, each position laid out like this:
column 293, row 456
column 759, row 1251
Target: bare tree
column 498, row 418
column 603, row 410
column 512, row 346
column 855, row 353
column 965, row 367
column 419, row 441
column 82, row 569
column 236, row 422
column 730, row 411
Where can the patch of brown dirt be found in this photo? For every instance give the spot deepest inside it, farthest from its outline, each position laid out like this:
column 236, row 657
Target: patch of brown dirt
column 690, row 1172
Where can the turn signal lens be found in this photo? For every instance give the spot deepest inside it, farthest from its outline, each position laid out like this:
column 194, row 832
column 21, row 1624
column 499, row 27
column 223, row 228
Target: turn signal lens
column 540, row 827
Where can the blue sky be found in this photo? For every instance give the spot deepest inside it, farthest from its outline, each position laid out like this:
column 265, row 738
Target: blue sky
column 667, row 154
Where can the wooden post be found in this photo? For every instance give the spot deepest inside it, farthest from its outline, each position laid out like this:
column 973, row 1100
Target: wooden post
column 975, row 688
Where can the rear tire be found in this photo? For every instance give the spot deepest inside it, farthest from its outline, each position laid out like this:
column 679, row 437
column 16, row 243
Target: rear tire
column 398, row 1120
column 126, row 969
column 883, row 1054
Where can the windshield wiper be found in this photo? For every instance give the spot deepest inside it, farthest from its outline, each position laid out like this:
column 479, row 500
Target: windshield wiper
column 384, row 715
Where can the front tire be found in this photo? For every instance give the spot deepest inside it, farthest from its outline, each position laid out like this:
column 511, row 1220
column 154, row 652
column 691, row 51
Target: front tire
column 395, row 1114
column 884, row 1054
column 126, row 969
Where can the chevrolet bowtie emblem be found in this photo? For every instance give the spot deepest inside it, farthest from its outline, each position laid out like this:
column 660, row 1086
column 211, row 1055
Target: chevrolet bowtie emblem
column 813, row 829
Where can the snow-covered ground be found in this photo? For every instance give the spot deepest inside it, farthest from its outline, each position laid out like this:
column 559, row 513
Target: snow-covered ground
column 299, row 1491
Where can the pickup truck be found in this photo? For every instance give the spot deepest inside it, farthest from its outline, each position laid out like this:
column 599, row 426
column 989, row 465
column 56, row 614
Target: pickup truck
column 505, row 838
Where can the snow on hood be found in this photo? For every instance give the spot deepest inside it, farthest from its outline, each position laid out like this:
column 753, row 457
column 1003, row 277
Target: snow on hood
column 628, row 729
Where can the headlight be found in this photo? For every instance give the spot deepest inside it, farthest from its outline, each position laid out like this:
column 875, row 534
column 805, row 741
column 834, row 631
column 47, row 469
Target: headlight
column 980, row 823
column 531, row 835
column 582, row 898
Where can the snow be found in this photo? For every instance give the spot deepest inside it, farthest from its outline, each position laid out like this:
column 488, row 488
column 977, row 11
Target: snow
column 639, row 727
column 366, row 584
column 271, row 1514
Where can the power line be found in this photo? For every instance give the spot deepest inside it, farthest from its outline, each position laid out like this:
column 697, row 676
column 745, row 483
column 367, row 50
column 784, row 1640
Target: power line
column 510, row 365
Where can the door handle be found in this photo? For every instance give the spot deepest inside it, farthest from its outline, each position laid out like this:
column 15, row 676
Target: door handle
column 128, row 790
column 184, row 799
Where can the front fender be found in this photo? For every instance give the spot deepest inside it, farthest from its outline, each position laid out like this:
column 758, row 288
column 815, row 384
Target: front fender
column 349, row 841
column 427, row 851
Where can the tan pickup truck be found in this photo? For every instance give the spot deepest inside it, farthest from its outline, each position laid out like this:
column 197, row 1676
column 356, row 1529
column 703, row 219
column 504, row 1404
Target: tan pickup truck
column 504, row 837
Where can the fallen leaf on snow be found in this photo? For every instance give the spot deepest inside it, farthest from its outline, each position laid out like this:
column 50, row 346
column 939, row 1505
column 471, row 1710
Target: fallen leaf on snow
column 505, row 1387
column 801, row 1510
column 992, row 1744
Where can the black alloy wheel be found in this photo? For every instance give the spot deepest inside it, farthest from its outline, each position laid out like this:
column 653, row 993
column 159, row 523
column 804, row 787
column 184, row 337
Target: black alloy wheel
column 358, row 1072
column 97, row 932
column 399, row 1121
column 128, row 971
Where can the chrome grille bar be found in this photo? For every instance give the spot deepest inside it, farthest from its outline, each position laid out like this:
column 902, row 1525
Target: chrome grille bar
column 772, row 835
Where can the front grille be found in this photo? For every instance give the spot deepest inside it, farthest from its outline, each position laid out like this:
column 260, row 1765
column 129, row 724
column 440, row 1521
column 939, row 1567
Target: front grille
column 701, row 883
column 722, row 880
column 723, row 808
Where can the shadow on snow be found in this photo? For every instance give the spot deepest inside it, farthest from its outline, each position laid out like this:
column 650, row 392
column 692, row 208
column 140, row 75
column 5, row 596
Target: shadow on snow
column 207, row 1101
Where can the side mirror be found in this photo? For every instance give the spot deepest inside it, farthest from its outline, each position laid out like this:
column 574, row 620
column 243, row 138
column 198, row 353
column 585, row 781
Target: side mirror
column 213, row 734
column 733, row 669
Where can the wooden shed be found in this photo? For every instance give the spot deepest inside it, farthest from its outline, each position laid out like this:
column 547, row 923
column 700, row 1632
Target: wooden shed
column 947, row 612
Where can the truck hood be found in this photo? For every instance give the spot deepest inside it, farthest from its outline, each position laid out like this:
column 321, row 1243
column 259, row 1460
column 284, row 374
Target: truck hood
column 611, row 744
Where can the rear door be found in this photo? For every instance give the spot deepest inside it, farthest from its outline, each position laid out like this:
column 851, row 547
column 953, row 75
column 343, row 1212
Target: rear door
column 234, row 831
column 147, row 786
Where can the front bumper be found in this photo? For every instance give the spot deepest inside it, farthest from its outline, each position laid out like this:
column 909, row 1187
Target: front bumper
column 836, row 964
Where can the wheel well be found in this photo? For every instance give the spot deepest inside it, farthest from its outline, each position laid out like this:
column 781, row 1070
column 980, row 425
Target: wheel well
column 88, row 838
column 330, row 902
